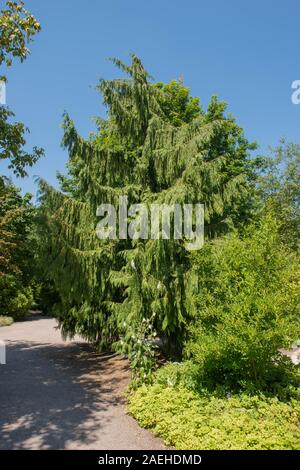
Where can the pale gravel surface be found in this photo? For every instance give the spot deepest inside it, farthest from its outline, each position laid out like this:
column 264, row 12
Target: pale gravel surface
column 61, row 395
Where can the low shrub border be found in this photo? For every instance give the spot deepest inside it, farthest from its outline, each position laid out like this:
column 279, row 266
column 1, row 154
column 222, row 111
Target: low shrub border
column 189, row 421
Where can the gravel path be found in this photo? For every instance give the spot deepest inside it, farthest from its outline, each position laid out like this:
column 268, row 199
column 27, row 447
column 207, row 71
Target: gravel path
column 61, row 395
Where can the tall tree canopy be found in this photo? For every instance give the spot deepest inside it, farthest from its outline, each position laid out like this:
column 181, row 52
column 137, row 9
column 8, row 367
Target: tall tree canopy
column 157, row 145
column 17, row 28
column 279, row 189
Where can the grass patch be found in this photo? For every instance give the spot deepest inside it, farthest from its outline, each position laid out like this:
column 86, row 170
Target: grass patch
column 5, row 321
column 187, row 420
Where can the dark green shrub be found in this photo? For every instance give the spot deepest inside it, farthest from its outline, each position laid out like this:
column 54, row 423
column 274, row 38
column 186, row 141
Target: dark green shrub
column 15, row 300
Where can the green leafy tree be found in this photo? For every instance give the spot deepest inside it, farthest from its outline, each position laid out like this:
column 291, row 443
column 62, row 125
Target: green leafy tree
column 17, row 28
column 177, row 103
column 17, row 250
column 279, row 189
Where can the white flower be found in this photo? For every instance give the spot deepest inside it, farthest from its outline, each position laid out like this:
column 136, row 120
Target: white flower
column 169, row 382
column 132, row 263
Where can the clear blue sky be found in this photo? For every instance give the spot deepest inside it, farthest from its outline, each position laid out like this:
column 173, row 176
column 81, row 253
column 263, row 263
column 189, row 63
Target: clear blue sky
column 247, row 52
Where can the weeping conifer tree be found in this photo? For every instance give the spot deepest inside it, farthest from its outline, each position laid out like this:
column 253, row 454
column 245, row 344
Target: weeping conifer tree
column 156, row 146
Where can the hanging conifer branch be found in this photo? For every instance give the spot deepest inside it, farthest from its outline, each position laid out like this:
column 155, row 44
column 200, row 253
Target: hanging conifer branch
column 154, row 151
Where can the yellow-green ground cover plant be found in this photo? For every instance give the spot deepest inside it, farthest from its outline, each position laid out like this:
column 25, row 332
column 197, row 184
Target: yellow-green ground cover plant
column 235, row 389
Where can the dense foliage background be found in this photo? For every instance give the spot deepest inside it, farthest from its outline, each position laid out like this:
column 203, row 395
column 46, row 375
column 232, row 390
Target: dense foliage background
column 18, row 281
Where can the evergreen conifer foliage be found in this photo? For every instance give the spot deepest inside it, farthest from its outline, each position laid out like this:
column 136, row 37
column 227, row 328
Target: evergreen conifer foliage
column 157, row 145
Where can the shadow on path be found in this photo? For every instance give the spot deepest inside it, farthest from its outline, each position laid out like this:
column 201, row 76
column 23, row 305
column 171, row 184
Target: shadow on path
column 56, row 396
